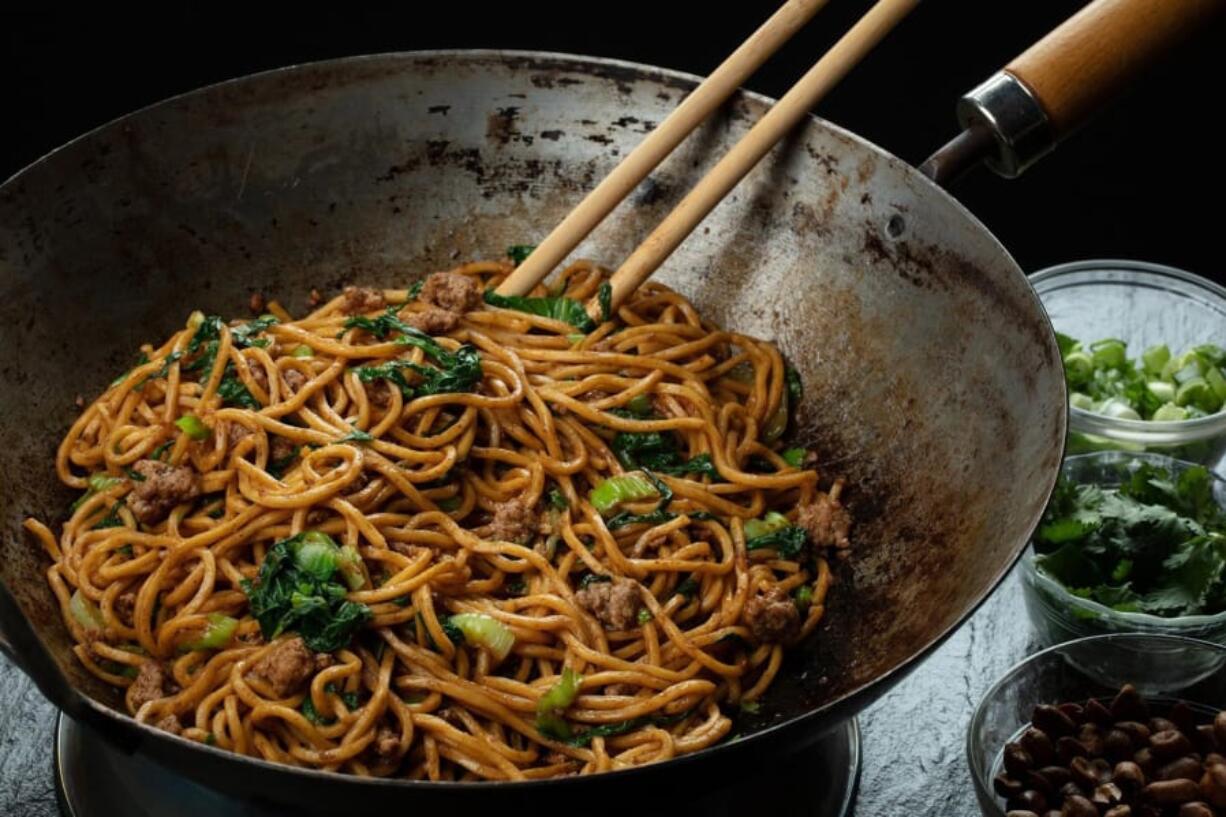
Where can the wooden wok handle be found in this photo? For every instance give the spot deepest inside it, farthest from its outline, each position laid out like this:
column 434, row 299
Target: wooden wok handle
column 1099, row 51
column 1020, row 113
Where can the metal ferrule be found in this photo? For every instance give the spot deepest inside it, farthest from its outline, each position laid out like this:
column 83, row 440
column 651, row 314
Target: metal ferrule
column 1007, row 108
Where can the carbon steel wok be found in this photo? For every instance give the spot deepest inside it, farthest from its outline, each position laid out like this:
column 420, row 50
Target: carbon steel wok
column 932, row 376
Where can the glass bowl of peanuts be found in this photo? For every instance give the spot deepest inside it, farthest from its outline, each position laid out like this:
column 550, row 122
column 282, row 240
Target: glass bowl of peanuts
column 1121, row 725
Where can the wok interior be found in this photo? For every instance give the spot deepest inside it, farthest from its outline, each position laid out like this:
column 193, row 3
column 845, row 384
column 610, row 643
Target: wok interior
column 931, row 380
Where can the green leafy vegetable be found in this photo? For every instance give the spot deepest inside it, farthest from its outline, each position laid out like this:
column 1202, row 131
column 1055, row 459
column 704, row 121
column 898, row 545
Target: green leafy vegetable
column 484, row 631
column 623, row 488
column 796, row 389
column 415, row 290
column 594, row 578
column 163, row 371
column 557, row 500
column 99, row 481
column 659, row 451
column 193, row 427
column 775, row 532
column 156, row 454
column 233, row 393
column 141, row 360
column 357, row 436
column 520, row 252
column 217, row 633
column 551, row 706
column 302, row 350
column 611, row 730
column 558, row 308
column 654, row 517
column 1156, row 544
column 278, row 467
column 688, row 587
column 85, row 612
column 112, row 518
column 460, row 372
column 604, row 295
column 297, row 590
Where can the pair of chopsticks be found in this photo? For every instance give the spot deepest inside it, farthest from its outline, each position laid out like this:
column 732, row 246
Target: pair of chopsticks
column 730, row 169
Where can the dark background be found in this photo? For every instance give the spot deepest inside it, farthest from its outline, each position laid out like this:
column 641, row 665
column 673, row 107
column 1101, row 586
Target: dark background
column 1142, row 182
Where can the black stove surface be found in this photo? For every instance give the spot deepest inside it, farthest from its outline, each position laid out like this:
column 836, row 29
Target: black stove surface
column 94, row 779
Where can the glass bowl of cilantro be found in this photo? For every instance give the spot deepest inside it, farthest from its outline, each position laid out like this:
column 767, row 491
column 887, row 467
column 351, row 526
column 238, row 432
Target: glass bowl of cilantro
column 1144, row 352
column 1130, row 543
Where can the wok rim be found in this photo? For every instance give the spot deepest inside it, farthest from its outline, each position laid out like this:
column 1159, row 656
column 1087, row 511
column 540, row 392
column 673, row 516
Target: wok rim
column 864, row 694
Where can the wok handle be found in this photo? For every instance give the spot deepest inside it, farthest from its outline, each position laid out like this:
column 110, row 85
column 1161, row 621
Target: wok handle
column 1060, row 82
column 1098, row 52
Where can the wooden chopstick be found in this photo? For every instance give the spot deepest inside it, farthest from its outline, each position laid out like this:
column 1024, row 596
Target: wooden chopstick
column 695, row 108
column 746, row 153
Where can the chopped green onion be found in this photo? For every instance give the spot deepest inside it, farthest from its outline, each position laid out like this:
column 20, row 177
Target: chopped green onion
column 356, row 436
column 794, row 457
column 1118, row 409
column 1197, row 392
column 1081, row 401
column 1155, row 358
column 86, row 612
column 302, row 351
column 803, row 596
column 771, row 523
column 484, row 631
column 1170, row 413
column 551, row 705
column 640, row 404
column 1078, row 366
column 644, row 616
column 613, row 491
column 217, row 633
column 1161, row 390
column 1216, row 381
column 1109, row 353
column 193, row 427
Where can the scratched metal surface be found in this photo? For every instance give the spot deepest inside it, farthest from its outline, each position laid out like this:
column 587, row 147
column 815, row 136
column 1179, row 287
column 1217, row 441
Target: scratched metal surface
column 914, row 762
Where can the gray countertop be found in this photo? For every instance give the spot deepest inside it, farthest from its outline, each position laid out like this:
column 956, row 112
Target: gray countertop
column 914, row 762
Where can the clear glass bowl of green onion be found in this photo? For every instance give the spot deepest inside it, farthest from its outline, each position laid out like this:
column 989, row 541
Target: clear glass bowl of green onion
column 1144, row 349
column 1129, row 543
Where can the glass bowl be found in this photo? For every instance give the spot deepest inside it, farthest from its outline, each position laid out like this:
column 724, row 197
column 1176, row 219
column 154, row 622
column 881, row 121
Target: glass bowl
column 1060, row 616
column 1142, row 304
column 1163, row 668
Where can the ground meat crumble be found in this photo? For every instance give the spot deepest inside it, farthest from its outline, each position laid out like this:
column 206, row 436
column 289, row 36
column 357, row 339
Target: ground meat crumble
column 164, row 488
column 772, row 616
column 286, row 666
column 359, row 300
column 514, row 521
column 615, row 603
column 826, row 521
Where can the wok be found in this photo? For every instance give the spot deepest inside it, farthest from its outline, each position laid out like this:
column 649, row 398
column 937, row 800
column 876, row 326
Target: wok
column 933, row 381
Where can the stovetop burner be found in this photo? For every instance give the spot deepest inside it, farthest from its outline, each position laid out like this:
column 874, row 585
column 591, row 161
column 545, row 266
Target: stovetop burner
column 94, row 779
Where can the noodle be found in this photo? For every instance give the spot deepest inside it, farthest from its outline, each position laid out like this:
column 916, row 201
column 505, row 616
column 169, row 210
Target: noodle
column 457, row 512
